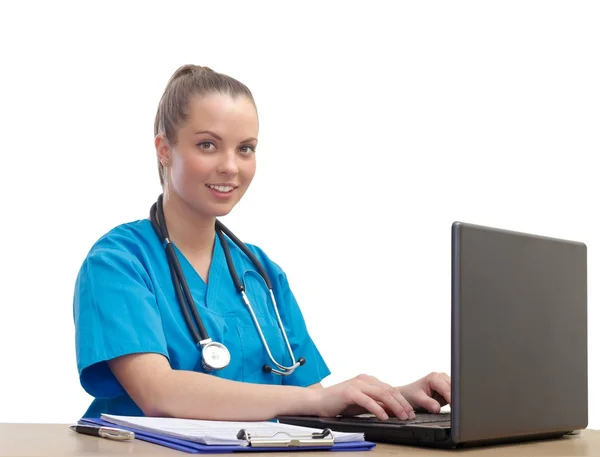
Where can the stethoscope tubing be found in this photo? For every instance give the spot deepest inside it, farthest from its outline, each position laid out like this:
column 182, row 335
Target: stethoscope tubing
column 200, row 334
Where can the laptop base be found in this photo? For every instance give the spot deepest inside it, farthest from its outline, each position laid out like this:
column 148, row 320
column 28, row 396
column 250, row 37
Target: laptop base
column 430, row 435
column 419, row 435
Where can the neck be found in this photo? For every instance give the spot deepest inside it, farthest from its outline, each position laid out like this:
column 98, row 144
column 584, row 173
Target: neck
column 193, row 234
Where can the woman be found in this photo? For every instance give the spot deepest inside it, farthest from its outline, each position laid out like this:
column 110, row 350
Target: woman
column 138, row 354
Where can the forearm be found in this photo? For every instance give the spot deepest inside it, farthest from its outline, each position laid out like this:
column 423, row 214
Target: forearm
column 188, row 394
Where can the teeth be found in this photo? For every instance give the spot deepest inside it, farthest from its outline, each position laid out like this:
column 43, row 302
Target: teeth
column 221, row 188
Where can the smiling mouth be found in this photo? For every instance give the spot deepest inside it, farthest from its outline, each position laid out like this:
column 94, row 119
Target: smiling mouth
column 219, row 188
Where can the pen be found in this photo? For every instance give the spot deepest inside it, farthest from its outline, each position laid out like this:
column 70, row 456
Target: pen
column 103, row 432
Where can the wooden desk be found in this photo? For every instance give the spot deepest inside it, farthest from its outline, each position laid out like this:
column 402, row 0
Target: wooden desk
column 56, row 440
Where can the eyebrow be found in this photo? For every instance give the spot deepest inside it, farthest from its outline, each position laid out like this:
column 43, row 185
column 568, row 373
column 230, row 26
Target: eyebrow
column 247, row 140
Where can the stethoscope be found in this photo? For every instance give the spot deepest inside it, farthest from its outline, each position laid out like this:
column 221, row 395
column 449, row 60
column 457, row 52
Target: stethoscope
column 216, row 356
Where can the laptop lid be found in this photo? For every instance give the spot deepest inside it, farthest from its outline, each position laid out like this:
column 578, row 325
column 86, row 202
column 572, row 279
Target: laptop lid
column 519, row 334
column 519, row 344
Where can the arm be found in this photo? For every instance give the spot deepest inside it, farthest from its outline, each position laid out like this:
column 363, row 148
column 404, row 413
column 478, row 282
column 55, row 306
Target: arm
column 161, row 391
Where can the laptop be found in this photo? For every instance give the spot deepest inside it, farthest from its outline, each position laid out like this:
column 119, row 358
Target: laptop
column 518, row 346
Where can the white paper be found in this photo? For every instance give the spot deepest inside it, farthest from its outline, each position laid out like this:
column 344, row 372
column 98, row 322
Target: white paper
column 217, row 432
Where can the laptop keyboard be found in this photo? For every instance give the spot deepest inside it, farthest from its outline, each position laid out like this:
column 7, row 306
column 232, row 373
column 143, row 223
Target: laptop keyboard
column 419, row 419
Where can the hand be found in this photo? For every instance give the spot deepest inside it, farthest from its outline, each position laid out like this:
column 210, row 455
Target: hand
column 364, row 394
column 429, row 393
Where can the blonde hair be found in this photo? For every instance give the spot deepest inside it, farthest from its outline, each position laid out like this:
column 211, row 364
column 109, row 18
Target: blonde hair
column 189, row 81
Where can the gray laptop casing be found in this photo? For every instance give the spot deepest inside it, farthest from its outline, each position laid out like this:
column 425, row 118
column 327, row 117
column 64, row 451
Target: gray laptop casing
column 519, row 334
column 518, row 345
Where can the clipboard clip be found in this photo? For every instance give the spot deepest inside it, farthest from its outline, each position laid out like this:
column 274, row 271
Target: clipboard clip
column 284, row 439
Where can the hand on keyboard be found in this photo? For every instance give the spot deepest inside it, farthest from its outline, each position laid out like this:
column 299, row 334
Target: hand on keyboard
column 364, row 394
column 368, row 394
column 429, row 393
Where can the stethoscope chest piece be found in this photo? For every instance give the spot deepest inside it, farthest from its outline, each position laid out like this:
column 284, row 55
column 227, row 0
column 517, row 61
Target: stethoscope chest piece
column 215, row 356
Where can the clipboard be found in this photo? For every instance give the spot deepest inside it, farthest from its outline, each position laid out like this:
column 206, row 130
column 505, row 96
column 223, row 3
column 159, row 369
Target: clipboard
column 256, row 443
column 324, row 439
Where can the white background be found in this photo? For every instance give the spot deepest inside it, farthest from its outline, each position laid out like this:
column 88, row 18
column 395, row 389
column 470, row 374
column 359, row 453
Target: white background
column 381, row 124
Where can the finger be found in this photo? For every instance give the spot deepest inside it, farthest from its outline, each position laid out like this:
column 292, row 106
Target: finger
column 408, row 409
column 367, row 402
column 392, row 401
column 425, row 401
column 441, row 385
column 405, row 411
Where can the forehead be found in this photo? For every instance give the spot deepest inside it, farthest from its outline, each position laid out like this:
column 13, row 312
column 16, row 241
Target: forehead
column 222, row 114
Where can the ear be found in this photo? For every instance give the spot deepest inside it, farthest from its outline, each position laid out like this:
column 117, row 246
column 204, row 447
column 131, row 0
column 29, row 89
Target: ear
column 163, row 150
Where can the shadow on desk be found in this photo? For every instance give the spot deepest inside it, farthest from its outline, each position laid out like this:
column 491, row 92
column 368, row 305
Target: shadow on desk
column 57, row 440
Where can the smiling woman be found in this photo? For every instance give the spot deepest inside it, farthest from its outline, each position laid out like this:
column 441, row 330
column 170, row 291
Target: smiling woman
column 138, row 352
column 209, row 164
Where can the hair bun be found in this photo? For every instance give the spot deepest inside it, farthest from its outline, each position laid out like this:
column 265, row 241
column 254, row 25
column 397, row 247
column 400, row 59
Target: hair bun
column 189, row 69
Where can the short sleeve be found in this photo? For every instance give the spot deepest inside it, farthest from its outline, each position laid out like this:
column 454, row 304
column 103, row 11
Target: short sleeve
column 115, row 314
column 315, row 369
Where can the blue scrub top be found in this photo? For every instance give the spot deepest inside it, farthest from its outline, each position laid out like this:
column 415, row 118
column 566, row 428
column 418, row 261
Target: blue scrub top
column 125, row 303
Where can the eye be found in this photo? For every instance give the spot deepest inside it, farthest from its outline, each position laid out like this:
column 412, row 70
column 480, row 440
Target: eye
column 206, row 145
column 247, row 149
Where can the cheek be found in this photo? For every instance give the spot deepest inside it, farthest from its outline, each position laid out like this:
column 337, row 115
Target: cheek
column 188, row 172
column 248, row 170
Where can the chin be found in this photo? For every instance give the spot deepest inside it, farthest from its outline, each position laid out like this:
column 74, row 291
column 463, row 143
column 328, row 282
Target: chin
column 222, row 212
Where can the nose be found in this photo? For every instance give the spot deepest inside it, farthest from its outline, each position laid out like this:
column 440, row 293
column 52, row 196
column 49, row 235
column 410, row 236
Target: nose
column 228, row 164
